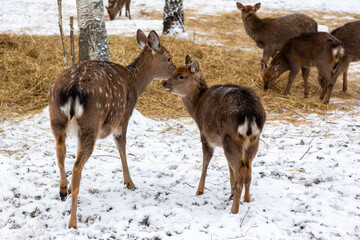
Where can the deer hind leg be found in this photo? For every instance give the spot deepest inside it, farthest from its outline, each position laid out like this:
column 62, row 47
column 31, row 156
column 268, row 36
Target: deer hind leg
column 120, row 140
column 59, row 124
column 249, row 156
column 305, row 74
column 87, row 141
column 128, row 8
column 232, row 182
column 208, row 152
column 235, row 154
column 61, row 154
column 345, row 80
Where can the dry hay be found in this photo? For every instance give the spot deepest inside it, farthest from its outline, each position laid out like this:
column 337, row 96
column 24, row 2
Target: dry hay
column 30, row 64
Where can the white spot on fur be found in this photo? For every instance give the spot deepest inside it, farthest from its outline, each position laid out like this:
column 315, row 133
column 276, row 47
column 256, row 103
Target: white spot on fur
column 100, row 89
column 242, row 129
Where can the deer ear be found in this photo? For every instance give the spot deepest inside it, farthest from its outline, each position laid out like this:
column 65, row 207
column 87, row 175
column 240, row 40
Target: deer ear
column 239, row 6
column 194, row 68
column 188, row 59
column 257, row 6
column 141, row 39
column 154, row 41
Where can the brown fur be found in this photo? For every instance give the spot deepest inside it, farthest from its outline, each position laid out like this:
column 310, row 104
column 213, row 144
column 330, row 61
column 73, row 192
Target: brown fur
column 115, row 6
column 220, row 111
column 349, row 35
column 99, row 97
column 271, row 34
column 303, row 52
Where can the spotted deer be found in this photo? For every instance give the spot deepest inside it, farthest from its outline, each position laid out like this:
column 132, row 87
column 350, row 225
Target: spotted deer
column 349, row 35
column 316, row 49
column 115, row 6
column 99, row 98
column 228, row 116
column 270, row 34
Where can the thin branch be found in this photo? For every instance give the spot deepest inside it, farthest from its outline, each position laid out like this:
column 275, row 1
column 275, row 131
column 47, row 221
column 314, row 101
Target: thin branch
column 62, row 33
column 72, row 48
column 242, row 221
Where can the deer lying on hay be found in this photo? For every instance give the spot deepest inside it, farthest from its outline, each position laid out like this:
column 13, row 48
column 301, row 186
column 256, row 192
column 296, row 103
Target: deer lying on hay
column 271, row 34
column 308, row 50
column 99, row 98
column 228, row 116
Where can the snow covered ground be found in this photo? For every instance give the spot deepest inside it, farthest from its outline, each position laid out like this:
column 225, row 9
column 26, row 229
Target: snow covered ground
column 306, row 184
column 306, row 177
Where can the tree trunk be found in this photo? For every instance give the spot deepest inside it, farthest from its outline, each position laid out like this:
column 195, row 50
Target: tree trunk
column 93, row 41
column 173, row 17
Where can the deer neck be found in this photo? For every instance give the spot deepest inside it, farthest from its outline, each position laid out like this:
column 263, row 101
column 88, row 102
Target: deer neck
column 142, row 70
column 192, row 100
column 252, row 23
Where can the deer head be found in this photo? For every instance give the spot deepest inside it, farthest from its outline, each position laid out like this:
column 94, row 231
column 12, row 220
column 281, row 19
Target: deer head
column 185, row 78
column 248, row 10
column 276, row 68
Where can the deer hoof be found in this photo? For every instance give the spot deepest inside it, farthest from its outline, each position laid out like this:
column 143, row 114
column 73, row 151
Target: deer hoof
column 130, row 185
column 235, row 210
column 63, row 195
column 198, row 193
column 72, row 225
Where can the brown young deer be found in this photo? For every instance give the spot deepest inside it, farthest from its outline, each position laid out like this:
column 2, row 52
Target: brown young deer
column 115, row 6
column 99, row 98
column 228, row 116
column 271, row 34
column 318, row 49
column 349, row 35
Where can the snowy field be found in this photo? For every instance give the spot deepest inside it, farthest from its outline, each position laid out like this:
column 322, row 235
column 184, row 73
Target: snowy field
column 306, row 177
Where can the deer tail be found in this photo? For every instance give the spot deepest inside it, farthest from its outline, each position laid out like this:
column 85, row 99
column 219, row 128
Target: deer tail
column 72, row 101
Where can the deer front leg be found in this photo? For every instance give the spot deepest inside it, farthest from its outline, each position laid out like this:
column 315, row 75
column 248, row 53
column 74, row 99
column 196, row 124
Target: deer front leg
column 208, row 152
column 120, row 140
column 268, row 52
column 294, row 70
column 305, row 74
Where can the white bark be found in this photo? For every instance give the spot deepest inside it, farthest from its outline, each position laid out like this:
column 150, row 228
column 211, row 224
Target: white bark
column 93, row 41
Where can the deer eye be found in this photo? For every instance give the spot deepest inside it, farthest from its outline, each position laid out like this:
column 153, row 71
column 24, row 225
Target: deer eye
column 169, row 59
column 181, row 77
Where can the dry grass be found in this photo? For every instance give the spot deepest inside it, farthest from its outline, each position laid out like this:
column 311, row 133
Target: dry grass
column 30, row 64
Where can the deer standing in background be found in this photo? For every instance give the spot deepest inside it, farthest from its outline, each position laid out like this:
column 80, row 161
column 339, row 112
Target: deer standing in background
column 318, row 49
column 228, row 116
column 99, row 98
column 115, row 6
column 271, row 34
column 349, row 35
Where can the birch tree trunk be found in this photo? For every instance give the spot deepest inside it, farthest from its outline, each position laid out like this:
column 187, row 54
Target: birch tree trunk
column 93, row 41
column 173, row 17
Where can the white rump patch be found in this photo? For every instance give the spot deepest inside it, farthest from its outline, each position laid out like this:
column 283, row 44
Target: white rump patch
column 242, row 129
column 79, row 109
column 255, row 131
column 66, row 108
